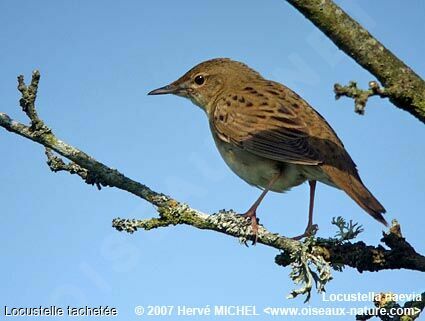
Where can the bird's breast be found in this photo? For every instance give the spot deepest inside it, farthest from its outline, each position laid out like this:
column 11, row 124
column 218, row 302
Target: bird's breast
column 259, row 171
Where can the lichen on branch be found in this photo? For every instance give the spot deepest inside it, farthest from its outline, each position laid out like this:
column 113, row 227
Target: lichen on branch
column 404, row 88
column 360, row 96
column 310, row 260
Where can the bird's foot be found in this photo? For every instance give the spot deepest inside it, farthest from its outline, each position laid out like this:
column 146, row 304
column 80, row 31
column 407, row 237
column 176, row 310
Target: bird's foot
column 309, row 231
column 252, row 215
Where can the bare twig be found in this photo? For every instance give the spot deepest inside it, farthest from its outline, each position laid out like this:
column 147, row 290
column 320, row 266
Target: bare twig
column 29, row 95
column 360, row 96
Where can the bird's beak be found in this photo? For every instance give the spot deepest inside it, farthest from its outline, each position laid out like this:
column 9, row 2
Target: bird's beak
column 169, row 89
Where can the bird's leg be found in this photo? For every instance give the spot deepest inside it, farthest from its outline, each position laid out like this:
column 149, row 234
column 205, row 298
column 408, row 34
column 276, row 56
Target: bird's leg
column 310, row 226
column 252, row 212
column 311, row 206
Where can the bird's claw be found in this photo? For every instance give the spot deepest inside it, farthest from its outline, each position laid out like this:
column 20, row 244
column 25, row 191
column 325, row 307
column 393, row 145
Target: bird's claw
column 309, row 231
column 252, row 215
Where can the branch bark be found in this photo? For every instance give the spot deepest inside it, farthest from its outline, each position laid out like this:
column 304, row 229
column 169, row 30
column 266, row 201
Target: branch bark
column 311, row 259
column 172, row 212
column 403, row 86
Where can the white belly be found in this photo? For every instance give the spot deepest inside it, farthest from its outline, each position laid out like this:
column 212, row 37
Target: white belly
column 259, row 171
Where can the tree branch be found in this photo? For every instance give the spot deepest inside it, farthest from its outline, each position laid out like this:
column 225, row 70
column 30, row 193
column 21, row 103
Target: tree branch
column 172, row 212
column 403, row 86
column 310, row 260
column 369, row 258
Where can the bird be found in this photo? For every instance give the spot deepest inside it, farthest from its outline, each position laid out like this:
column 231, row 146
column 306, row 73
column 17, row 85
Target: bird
column 270, row 136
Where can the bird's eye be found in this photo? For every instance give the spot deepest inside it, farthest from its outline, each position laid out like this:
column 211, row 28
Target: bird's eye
column 199, row 80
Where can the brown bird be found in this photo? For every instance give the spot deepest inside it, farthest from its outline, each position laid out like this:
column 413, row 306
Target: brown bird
column 269, row 136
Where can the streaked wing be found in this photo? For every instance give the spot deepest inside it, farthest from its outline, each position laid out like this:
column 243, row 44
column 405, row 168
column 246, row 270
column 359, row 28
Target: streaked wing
column 265, row 124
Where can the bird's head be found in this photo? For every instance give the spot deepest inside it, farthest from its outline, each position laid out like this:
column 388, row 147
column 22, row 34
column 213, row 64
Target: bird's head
column 204, row 83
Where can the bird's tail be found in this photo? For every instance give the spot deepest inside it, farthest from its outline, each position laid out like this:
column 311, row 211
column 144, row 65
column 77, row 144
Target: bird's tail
column 354, row 187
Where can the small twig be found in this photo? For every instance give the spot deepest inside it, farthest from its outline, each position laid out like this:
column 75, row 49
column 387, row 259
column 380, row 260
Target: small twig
column 56, row 164
column 29, row 95
column 360, row 96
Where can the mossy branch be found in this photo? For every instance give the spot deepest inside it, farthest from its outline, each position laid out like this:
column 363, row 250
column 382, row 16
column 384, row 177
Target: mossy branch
column 404, row 88
column 310, row 260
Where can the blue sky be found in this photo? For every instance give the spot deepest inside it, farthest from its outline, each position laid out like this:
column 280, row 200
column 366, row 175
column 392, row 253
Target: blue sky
column 98, row 59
